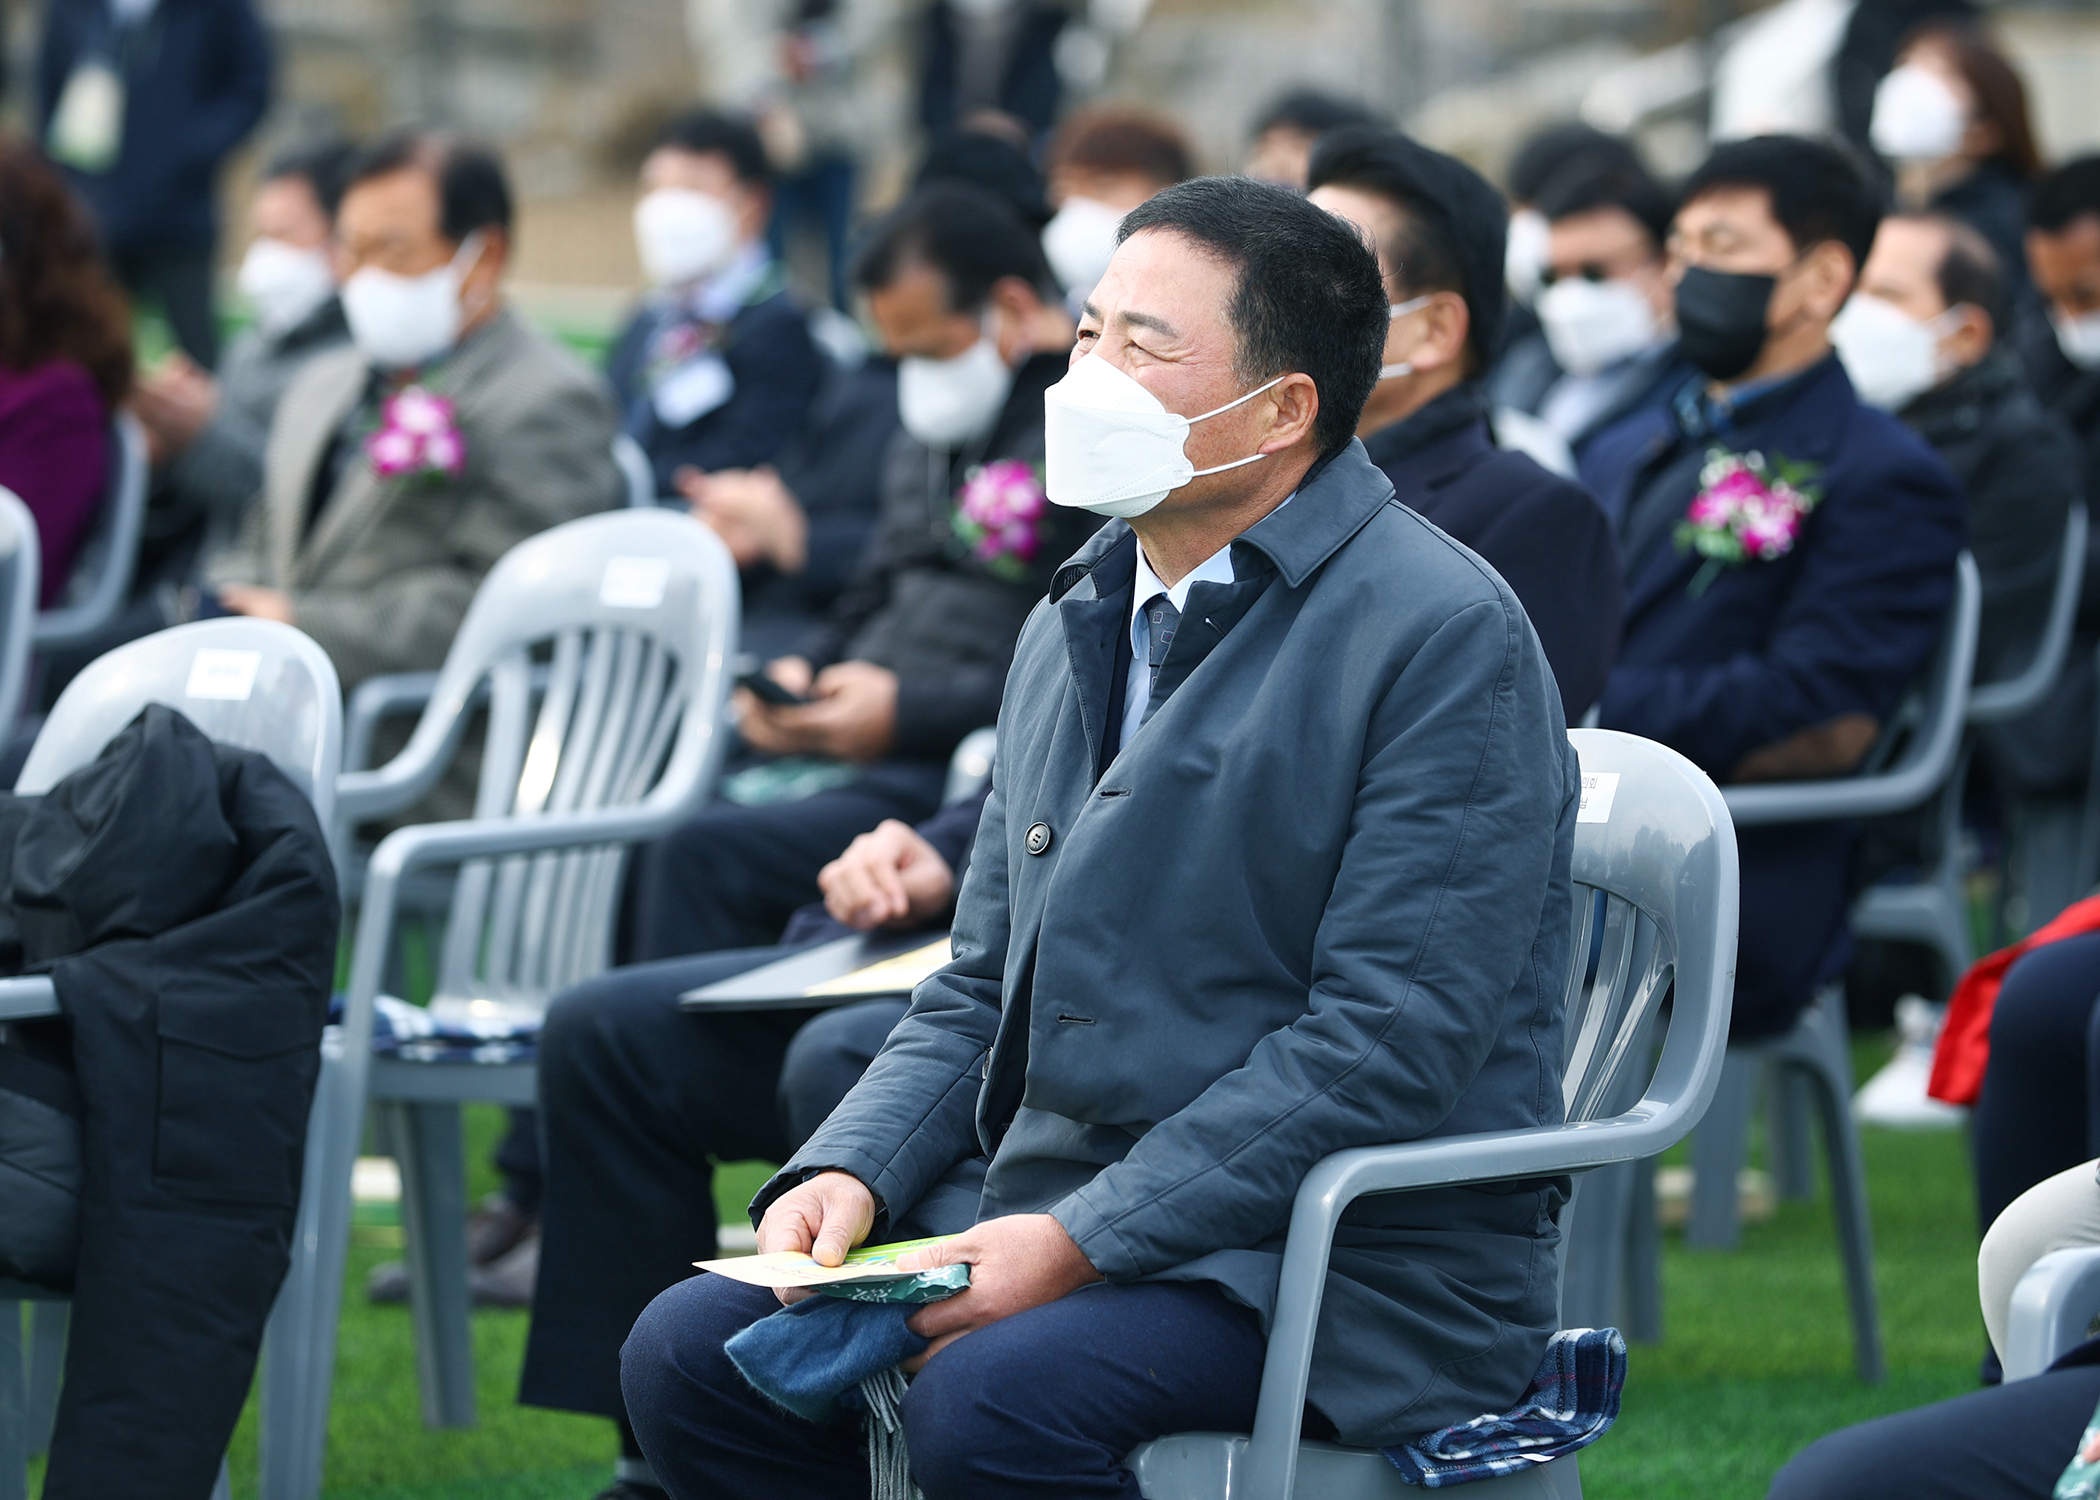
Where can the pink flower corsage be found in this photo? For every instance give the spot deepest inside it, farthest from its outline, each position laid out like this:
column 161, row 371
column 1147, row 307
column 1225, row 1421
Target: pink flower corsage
column 998, row 515
column 1749, row 508
column 417, row 434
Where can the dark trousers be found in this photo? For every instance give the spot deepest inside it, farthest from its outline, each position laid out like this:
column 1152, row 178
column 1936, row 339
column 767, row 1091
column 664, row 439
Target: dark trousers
column 2039, row 1112
column 178, row 279
column 2009, row 1442
column 732, row 876
column 1044, row 1405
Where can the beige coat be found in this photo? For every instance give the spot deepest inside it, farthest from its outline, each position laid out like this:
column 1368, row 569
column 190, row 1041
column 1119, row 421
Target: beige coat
column 382, row 577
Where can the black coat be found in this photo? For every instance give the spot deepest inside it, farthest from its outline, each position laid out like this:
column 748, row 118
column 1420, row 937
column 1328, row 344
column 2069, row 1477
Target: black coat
column 196, row 79
column 1840, row 624
column 775, row 365
column 1028, row 87
column 1546, row 536
column 180, row 895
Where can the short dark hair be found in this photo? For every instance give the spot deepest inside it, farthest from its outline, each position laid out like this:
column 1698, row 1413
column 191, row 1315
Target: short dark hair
column 1315, row 112
column 1114, row 138
column 989, row 162
column 473, row 192
column 2065, row 194
column 323, row 165
column 1817, row 191
column 1627, row 188
column 966, row 234
column 1968, row 271
column 1309, row 300
column 710, row 132
column 1570, row 148
column 1453, row 226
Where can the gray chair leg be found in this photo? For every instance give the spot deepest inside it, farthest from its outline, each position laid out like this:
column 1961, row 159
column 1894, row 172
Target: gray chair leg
column 1593, row 1263
column 1719, row 1147
column 1821, row 1054
column 1644, row 1292
column 222, row 1487
column 431, row 1149
column 14, row 1406
column 47, row 1361
column 299, row 1344
column 1788, row 1108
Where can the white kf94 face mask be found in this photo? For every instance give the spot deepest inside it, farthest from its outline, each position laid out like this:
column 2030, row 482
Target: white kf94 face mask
column 1891, row 357
column 683, row 236
column 945, row 403
column 1111, row 447
column 401, row 321
column 285, row 284
column 1590, row 325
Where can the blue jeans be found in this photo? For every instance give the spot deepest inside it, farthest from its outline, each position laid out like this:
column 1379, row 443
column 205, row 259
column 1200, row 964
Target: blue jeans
column 1044, row 1404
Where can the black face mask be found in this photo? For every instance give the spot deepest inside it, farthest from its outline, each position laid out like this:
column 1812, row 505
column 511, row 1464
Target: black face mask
column 1721, row 319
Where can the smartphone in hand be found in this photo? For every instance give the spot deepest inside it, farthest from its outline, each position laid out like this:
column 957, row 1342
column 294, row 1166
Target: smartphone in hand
column 769, row 691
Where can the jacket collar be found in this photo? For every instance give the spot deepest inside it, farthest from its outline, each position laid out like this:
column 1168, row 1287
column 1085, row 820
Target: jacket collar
column 1953, row 408
column 1337, row 497
column 1451, row 426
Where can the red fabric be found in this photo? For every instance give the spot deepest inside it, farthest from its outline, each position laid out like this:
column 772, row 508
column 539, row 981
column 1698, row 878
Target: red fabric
column 1964, row 1049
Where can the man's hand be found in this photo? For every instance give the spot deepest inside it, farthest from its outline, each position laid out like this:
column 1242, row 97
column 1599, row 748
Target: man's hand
column 174, row 403
column 824, row 1217
column 755, row 515
column 257, row 602
column 890, row 876
column 854, row 716
column 1016, row 1262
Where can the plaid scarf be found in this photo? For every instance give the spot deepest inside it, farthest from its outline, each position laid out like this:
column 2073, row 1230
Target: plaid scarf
column 1571, row 1403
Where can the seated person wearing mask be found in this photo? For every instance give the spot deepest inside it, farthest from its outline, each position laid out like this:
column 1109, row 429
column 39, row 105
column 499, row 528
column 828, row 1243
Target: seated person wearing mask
column 207, row 432
column 1438, row 227
column 1920, row 339
column 639, row 1099
column 1775, row 651
column 1167, row 1006
column 1102, row 163
column 913, row 654
column 1605, row 346
column 716, row 369
column 368, row 535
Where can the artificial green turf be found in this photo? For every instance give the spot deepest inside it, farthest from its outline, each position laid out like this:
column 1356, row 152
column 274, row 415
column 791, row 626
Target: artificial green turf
column 1756, row 1361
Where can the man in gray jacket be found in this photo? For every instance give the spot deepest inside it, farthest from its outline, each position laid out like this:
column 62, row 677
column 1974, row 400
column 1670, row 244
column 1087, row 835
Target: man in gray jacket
column 1276, row 863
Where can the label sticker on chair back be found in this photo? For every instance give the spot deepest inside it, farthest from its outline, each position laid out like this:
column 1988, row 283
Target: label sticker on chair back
column 227, row 675
column 1598, row 790
column 634, row 582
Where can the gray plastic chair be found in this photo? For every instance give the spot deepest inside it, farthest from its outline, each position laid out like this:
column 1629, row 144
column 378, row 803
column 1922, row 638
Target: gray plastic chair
column 252, row 683
column 970, row 767
column 1932, row 911
column 109, row 554
column 635, row 470
column 21, row 572
column 634, row 613
column 1665, row 862
column 1814, row 1058
column 2055, row 1308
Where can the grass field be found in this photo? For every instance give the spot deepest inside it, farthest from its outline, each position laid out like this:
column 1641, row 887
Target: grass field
column 1755, row 1364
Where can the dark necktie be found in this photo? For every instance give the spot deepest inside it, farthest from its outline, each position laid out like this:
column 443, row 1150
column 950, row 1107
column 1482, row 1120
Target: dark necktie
column 1160, row 619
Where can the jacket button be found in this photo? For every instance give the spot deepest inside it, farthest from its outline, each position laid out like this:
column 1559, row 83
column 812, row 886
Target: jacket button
column 1038, row 837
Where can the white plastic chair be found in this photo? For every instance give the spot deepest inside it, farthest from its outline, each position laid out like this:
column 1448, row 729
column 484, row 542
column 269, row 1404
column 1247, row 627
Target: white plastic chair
column 21, row 572
column 101, row 579
column 1924, row 742
column 636, row 471
column 1932, row 911
column 635, row 615
column 1665, row 862
column 2055, row 1308
column 252, row 683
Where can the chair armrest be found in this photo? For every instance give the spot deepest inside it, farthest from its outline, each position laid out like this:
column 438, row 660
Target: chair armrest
column 1827, row 801
column 29, row 996
column 1995, row 702
column 378, row 698
column 2052, row 1311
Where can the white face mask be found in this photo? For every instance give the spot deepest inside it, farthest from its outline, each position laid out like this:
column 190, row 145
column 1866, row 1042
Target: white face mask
column 1397, row 311
column 1891, row 357
column 944, row 403
column 398, row 321
column 1079, row 242
column 1916, row 116
column 2078, row 337
column 284, row 284
column 1524, row 256
column 683, row 236
column 1111, row 447
column 1590, row 325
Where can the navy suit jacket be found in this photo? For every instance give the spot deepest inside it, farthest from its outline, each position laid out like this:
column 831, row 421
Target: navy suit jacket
column 1841, row 624
column 776, row 367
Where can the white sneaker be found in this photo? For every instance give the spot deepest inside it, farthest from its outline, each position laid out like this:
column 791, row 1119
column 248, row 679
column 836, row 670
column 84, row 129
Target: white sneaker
column 1896, row 1095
